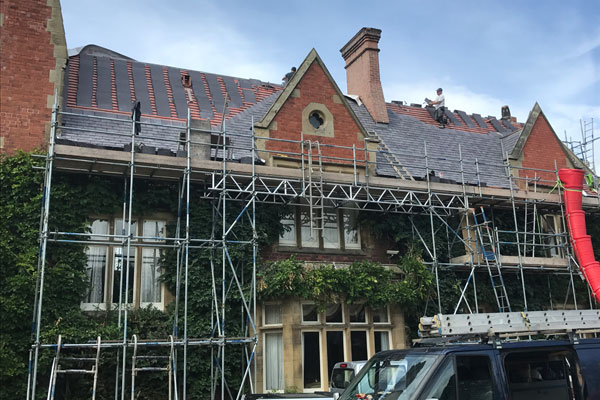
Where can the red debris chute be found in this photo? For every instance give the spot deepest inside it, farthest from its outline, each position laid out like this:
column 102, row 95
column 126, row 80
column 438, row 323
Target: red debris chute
column 572, row 180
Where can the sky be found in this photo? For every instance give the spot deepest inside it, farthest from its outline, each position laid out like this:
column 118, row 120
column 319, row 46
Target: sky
column 484, row 53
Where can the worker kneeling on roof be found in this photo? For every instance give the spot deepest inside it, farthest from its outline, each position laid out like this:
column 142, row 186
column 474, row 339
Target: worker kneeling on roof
column 440, row 108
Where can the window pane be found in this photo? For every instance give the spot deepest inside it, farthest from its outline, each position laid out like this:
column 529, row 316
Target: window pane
column 380, row 315
column 331, row 236
column 274, row 361
column 288, row 236
column 272, row 314
column 95, row 270
column 153, row 230
column 351, row 232
column 333, row 313
column 311, row 360
column 119, row 260
column 357, row 313
column 474, row 378
column 358, row 340
column 382, row 341
column 96, row 263
column 309, row 313
column 444, row 384
column 310, row 237
column 335, row 349
column 150, row 279
column 119, row 228
column 99, row 227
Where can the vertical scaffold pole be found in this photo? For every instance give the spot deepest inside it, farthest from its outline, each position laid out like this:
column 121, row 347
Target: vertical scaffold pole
column 254, row 247
column 120, row 309
column 43, row 244
column 224, row 256
column 125, row 265
column 430, row 207
column 186, row 248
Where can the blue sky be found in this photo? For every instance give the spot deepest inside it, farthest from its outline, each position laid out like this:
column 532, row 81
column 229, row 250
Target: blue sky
column 483, row 53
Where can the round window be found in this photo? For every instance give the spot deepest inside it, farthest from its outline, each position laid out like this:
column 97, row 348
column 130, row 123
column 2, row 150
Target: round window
column 316, row 119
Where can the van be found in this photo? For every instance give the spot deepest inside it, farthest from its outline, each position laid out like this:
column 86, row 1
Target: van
column 342, row 373
column 523, row 370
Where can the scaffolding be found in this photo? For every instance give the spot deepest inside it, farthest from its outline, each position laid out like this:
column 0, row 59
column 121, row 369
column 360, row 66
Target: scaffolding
column 584, row 148
column 445, row 206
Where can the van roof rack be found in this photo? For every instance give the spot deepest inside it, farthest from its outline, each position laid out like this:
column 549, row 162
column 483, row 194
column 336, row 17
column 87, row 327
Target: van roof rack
column 507, row 325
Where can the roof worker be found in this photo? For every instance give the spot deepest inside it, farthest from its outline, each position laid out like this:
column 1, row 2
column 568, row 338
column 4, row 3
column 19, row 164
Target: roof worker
column 440, row 108
column 287, row 77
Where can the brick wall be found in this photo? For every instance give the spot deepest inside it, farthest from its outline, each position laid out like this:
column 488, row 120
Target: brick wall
column 31, row 69
column 315, row 87
column 540, row 151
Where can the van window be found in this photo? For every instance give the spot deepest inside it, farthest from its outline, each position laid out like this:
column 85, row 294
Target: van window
column 474, row 378
column 472, row 374
column 341, row 377
column 542, row 375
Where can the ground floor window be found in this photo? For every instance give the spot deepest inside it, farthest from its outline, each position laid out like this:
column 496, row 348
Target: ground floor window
column 109, row 263
column 335, row 348
column 273, row 361
column 358, row 342
column 311, row 360
column 382, row 340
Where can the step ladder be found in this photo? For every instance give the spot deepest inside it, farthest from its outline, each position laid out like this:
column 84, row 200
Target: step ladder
column 511, row 324
column 313, row 174
column 150, row 365
column 488, row 251
column 57, row 367
column 530, row 229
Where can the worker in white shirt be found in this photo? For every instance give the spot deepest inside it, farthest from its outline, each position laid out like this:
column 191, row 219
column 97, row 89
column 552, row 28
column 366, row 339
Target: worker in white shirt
column 440, row 108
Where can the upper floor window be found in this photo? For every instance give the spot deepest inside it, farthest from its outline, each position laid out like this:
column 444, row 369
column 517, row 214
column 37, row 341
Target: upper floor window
column 108, row 265
column 337, row 229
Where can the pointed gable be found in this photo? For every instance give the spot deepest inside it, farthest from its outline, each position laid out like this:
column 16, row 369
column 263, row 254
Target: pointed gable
column 312, row 108
column 538, row 147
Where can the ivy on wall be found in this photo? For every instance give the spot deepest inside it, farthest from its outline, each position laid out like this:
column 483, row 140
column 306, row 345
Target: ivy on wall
column 364, row 281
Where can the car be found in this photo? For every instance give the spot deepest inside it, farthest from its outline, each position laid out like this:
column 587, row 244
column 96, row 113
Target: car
column 342, row 373
column 519, row 370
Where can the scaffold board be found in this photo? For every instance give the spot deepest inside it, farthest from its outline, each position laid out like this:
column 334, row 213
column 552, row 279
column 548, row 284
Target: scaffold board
column 534, row 322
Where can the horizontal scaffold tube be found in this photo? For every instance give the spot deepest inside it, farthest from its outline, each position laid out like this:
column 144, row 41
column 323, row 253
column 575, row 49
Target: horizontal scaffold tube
column 572, row 181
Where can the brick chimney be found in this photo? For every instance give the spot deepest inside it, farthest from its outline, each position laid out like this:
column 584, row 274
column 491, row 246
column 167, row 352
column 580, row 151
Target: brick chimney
column 361, row 54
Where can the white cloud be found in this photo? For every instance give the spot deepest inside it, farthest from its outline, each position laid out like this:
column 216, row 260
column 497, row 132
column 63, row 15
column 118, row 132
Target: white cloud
column 457, row 98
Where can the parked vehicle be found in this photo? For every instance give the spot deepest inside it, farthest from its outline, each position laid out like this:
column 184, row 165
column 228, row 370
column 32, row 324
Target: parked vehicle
column 342, row 374
column 530, row 370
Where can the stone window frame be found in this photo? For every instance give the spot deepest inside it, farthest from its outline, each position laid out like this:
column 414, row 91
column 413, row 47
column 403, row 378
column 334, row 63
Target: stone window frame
column 326, row 129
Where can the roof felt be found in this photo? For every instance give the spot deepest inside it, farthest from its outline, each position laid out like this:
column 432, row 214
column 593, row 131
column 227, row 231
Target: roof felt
column 156, row 87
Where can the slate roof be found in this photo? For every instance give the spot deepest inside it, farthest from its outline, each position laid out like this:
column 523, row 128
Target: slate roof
column 104, row 83
column 406, row 137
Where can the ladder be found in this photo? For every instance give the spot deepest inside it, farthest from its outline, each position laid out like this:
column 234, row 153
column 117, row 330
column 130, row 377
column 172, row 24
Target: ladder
column 57, row 367
column 313, row 173
column 530, row 229
column 135, row 369
column 511, row 324
column 487, row 247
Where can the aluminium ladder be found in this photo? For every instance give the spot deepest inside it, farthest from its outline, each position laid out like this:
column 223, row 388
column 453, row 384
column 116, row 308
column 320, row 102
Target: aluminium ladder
column 511, row 324
column 135, row 369
column 313, row 173
column 57, row 368
column 487, row 247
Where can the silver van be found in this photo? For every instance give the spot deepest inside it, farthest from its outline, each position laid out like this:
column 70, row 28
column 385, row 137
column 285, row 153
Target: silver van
column 342, row 373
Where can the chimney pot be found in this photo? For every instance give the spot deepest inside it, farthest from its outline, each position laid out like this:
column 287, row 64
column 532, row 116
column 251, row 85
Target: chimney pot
column 361, row 54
